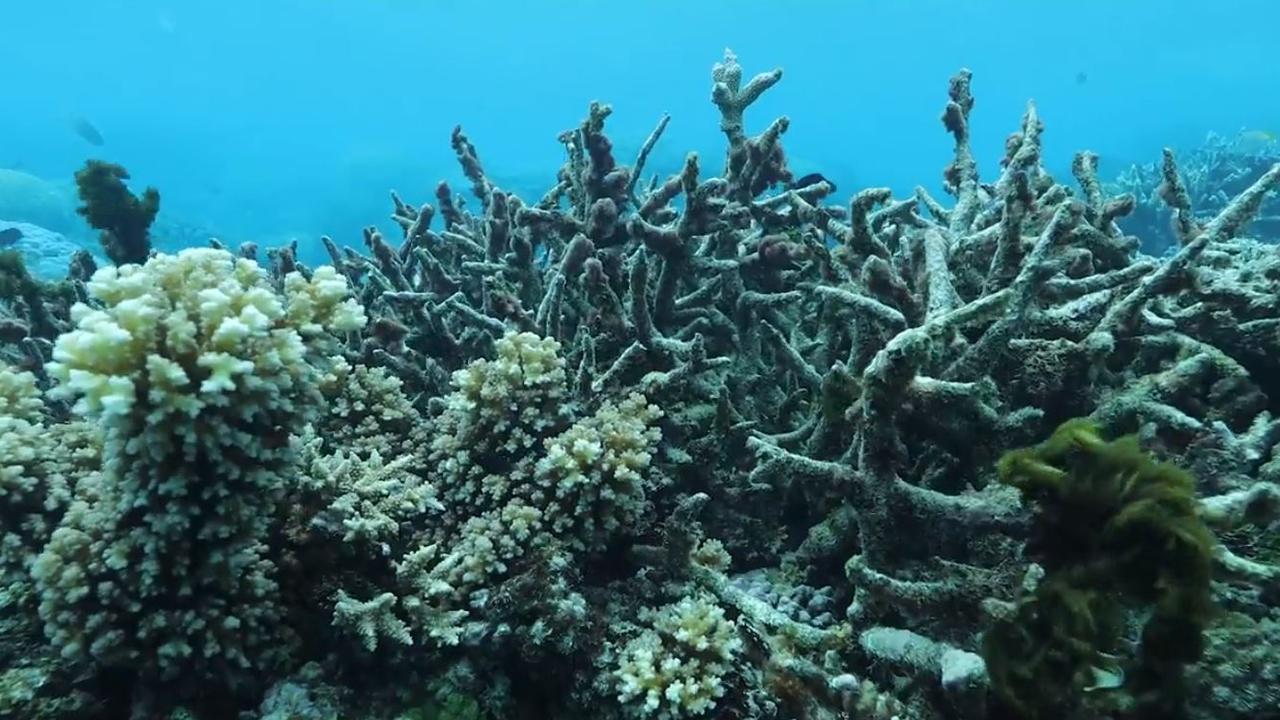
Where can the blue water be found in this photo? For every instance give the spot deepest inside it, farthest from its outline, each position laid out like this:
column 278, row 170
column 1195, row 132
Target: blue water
column 273, row 119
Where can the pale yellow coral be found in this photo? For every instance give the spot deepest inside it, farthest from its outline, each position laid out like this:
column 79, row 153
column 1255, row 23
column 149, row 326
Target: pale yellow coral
column 595, row 471
column 196, row 371
column 19, row 397
column 676, row 668
column 212, row 317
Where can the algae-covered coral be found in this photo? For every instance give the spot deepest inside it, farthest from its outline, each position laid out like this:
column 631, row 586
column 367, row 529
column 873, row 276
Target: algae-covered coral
column 1115, row 532
column 705, row 446
column 123, row 218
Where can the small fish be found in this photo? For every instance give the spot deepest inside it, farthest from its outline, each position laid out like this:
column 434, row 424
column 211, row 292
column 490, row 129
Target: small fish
column 1105, row 679
column 1256, row 142
column 88, row 132
column 1108, row 676
column 1082, row 77
column 9, row 236
column 812, row 179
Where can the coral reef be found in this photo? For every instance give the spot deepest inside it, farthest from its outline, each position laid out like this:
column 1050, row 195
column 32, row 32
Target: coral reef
column 32, row 312
column 26, row 198
column 1207, row 177
column 46, row 253
column 677, row 666
column 195, row 372
column 1240, row 677
column 709, row 445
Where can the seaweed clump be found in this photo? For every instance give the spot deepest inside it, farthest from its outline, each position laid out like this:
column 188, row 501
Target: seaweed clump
column 123, row 218
column 1119, row 539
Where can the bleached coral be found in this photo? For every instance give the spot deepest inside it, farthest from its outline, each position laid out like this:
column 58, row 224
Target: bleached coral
column 596, row 470
column 360, row 513
column 19, row 397
column 371, row 498
column 197, row 372
column 677, row 667
column 321, row 303
column 493, row 422
column 371, row 619
column 516, row 483
column 366, row 410
column 40, row 464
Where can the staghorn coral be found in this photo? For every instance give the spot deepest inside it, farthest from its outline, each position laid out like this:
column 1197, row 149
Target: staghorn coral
column 1170, row 200
column 833, row 401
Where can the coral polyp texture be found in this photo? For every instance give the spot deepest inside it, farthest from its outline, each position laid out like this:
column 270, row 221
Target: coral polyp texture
column 711, row 445
column 677, row 667
column 195, row 371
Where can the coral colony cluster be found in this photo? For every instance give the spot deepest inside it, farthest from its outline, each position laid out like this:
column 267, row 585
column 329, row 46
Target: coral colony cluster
column 1213, row 174
column 712, row 446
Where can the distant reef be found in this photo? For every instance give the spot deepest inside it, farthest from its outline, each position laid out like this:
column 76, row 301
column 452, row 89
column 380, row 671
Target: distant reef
column 27, row 198
column 1211, row 175
column 47, row 253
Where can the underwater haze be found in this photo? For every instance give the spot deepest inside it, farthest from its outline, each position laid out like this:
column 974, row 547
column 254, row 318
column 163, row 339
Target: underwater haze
column 293, row 118
column 702, row 360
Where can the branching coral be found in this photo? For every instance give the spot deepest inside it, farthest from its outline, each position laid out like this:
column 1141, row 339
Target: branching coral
column 40, row 465
column 366, row 410
column 872, row 383
column 196, row 371
column 678, row 666
column 518, row 485
column 1171, row 201
column 32, row 312
column 511, row 484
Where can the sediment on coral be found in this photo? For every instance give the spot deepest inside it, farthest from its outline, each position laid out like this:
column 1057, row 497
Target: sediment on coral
column 708, row 445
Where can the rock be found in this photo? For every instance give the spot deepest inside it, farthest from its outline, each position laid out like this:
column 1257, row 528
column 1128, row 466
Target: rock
column 27, row 198
column 46, row 252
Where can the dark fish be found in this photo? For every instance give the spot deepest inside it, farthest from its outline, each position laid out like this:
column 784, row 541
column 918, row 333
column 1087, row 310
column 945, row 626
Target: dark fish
column 1082, row 77
column 9, row 236
column 88, row 132
column 812, row 179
